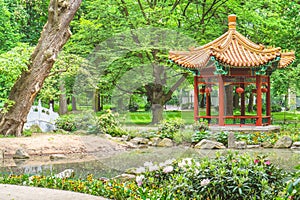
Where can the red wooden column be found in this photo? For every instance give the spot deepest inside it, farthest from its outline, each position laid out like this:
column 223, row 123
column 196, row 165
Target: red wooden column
column 196, row 98
column 243, row 103
column 258, row 101
column 221, row 100
column 208, row 102
column 268, row 102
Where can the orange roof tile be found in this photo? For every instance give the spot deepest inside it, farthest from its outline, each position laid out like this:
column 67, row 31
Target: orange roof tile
column 231, row 49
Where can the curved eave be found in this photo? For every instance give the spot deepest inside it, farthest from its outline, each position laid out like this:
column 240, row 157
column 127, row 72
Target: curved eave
column 286, row 59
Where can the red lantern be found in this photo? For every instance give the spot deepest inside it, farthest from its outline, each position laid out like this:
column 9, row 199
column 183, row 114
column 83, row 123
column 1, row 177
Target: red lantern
column 239, row 90
column 208, row 90
column 264, row 90
column 202, row 91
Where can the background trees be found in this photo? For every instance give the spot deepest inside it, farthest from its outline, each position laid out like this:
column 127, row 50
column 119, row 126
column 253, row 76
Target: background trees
column 145, row 32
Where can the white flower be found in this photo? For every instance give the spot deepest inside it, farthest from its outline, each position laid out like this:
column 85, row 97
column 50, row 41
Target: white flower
column 140, row 170
column 168, row 169
column 185, row 162
column 148, row 164
column 169, row 162
column 139, row 179
column 205, row 182
column 153, row 168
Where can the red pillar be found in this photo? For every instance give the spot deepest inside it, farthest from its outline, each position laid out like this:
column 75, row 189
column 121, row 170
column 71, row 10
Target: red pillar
column 208, row 104
column 196, row 98
column 221, row 101
column 243, row 103
column 268, row 102
column 258, row 101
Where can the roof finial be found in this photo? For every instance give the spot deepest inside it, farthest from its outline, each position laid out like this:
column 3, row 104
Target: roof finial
column 231, row 21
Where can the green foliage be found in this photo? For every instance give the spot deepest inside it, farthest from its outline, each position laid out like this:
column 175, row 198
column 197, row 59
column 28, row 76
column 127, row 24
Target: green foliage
column 108, row 123
column 292, row 190
column 167, row 128
column 227, row 177
column 66, row 122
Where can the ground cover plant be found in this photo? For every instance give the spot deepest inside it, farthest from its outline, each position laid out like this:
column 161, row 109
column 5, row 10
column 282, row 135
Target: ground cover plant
column 229, row 176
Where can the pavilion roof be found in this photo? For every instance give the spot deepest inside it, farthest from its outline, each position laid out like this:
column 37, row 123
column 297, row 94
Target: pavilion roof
column 231, row 49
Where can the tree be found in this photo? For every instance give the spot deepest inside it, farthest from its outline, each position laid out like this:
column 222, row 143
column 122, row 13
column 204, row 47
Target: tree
column 54, row 35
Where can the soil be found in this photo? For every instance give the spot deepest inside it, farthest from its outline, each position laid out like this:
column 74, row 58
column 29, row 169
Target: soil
column 75, row 147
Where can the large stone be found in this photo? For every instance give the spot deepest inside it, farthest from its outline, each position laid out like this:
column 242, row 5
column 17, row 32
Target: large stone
column 296, row 145
column 231, row 140
column 267, row 144
column 125, row 177
column 57, row 157
column 284, row 142
column 68, row 173
column 240, row 145
column 154, row 141
column 21, row 154
column 139, row 140
column 166, row 142
column 209, row 144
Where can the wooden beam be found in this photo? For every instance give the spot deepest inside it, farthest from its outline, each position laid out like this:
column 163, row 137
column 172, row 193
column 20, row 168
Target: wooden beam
column 258, row 101
column 196, row 98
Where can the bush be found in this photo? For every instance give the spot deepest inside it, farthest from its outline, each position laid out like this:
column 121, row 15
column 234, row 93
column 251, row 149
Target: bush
column 167, row 128
column 66, row 122
column 228, row 177
column 107, row 123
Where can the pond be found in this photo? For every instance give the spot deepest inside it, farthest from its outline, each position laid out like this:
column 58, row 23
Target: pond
column 117, row 164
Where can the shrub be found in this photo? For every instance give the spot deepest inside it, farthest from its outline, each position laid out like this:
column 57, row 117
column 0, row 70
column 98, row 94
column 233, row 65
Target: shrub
column 66, row 122
column 107, row 123
column 228, row 177
column 167, row 128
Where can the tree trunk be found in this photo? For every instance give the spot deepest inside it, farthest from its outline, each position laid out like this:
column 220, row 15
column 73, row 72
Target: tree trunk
column 74, row 107
column 54, row 35
column 63, row 105
column 157, row 113
column 250, row 105
column 229, row 100
column 236, row 100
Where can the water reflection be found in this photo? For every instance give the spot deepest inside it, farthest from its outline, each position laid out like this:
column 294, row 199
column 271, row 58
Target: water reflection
column 118, row 163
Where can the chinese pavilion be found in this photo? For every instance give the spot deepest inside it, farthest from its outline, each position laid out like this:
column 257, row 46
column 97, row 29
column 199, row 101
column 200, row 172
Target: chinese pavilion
column 232, row 65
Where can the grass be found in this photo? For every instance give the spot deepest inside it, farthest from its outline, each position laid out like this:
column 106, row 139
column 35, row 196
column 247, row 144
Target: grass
column 144, row 117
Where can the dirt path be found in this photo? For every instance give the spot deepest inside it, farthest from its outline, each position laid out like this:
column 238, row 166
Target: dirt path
column 75, row 147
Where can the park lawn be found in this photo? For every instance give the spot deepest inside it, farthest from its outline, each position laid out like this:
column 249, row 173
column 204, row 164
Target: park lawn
column 144, row 117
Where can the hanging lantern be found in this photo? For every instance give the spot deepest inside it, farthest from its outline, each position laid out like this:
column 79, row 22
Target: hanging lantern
column 208, row 90
column 253, row 90
column 202, row 91
column 264, row 90
column 239, row 90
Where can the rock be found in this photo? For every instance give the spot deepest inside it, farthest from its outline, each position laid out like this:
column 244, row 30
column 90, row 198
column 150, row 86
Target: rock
column 68, row 173
column 296, row 145
column 209, row 144
column 21, row 154
column 254, row 146
column 166, row 142
column 240, row 145
column 57, row 157
column 284, row 142
column 154, row 141
column 131, row 145
column 231, row 140
column 139, row 140
column 126, row 137
column 267, row 144
column 125, row 177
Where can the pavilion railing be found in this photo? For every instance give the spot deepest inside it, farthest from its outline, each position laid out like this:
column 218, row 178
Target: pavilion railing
column 236, row 120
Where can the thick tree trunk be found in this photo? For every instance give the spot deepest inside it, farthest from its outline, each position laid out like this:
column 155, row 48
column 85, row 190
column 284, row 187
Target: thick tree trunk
column 54, row 35
column 229, row 100
column 157, row 113
column 63, row 105
column 74, row 107
column 250, row 105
